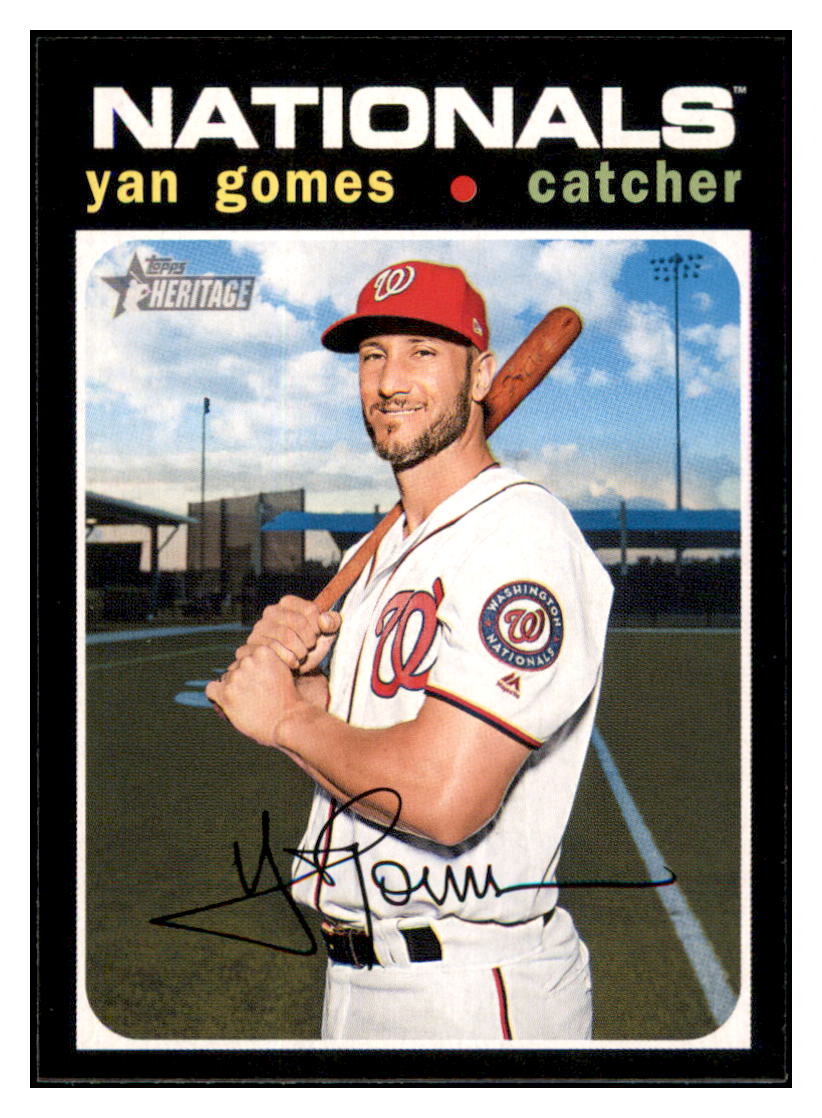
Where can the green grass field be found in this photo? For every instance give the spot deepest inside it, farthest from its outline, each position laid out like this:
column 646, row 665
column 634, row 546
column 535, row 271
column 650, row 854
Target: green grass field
column 170, row 789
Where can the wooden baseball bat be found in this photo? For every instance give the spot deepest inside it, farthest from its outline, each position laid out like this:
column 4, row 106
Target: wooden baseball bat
column 520, row 374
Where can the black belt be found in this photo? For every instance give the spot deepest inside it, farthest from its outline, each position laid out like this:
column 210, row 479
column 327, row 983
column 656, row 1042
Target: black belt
column 353, row 947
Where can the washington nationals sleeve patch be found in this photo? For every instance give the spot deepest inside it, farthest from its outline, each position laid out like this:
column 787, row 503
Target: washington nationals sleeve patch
column 521, row 624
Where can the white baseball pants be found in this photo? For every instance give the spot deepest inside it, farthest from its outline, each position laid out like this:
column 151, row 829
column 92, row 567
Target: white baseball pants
column 494, row 982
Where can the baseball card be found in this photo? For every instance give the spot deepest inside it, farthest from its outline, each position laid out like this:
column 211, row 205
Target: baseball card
column 423, row 485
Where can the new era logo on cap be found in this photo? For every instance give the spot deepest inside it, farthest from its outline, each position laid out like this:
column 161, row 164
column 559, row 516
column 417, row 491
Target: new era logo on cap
column 415, row 295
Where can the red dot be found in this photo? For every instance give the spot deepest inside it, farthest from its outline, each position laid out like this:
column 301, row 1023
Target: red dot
column 463, row 188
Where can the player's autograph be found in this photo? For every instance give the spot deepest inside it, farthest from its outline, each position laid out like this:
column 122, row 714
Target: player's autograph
column 324, row 857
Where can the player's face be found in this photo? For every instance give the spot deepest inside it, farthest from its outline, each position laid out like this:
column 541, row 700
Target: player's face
column 416, row 395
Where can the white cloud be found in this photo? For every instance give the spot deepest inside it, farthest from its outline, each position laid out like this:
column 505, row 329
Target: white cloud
column 709, row 354
column 695, row 388
column 712, row 354
column 564, row 372
column 728, row 340
column 584, row 275
column 702, row 299
column 322, row 376
column 648, row 341
column 703, row 334
column 559, row 452
column 158, row 365
column 306, row 272
column 729, row 492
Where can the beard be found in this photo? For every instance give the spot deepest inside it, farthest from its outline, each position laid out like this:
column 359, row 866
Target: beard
column 442, row 432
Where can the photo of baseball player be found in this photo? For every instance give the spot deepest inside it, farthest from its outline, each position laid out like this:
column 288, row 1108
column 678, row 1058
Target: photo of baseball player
column 447, row 740
column 445, row 810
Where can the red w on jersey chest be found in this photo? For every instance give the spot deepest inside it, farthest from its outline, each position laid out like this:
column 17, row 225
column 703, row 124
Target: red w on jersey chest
column 405, row 632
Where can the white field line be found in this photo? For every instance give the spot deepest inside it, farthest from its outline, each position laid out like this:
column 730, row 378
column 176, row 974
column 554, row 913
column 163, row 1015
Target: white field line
column 703, row 959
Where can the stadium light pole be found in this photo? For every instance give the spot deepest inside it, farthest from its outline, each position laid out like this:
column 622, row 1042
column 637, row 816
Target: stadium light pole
column 206, row 410
column 666, row 269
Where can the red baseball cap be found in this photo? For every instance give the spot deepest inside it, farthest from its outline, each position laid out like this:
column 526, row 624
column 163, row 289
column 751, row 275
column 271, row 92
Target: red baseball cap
column 415, row 296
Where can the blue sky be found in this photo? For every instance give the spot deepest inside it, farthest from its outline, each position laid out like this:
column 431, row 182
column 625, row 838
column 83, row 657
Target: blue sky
column 285, row 412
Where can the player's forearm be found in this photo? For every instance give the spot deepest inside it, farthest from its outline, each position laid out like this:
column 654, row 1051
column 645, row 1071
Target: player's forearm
column 367, row 806
column 377, row 765
column 334, row 790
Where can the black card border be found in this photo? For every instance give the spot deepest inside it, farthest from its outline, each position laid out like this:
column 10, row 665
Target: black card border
column 56, row 1060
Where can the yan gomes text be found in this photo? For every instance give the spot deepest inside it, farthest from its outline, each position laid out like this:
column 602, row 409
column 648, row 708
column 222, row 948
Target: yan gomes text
column 239, row 187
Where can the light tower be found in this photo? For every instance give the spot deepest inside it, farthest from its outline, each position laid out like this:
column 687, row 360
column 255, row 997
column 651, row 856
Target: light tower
column 206, row 410
column 667, row 269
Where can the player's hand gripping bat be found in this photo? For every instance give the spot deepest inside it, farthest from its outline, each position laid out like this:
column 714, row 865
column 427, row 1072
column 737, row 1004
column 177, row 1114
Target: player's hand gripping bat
column 520, row 374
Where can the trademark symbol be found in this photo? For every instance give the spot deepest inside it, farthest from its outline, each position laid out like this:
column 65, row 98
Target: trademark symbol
column 740, row 89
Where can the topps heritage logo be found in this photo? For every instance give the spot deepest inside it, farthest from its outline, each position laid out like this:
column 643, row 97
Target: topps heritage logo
column 162, row 285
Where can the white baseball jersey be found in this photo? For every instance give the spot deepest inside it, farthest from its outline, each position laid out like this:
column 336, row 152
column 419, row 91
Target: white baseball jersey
column 497, row 605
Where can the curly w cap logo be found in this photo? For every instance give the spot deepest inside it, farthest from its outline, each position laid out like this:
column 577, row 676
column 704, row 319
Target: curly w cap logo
column 162, row 285
column 405, row 632
column 521, row 624
column 393, row 281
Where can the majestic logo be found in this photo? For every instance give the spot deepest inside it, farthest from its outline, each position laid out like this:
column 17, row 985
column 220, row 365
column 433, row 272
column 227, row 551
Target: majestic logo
column 405, row 633
column 521, row 624
column 393, row 281
column 162, row 285
column 510, row 684
column 476, row 327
